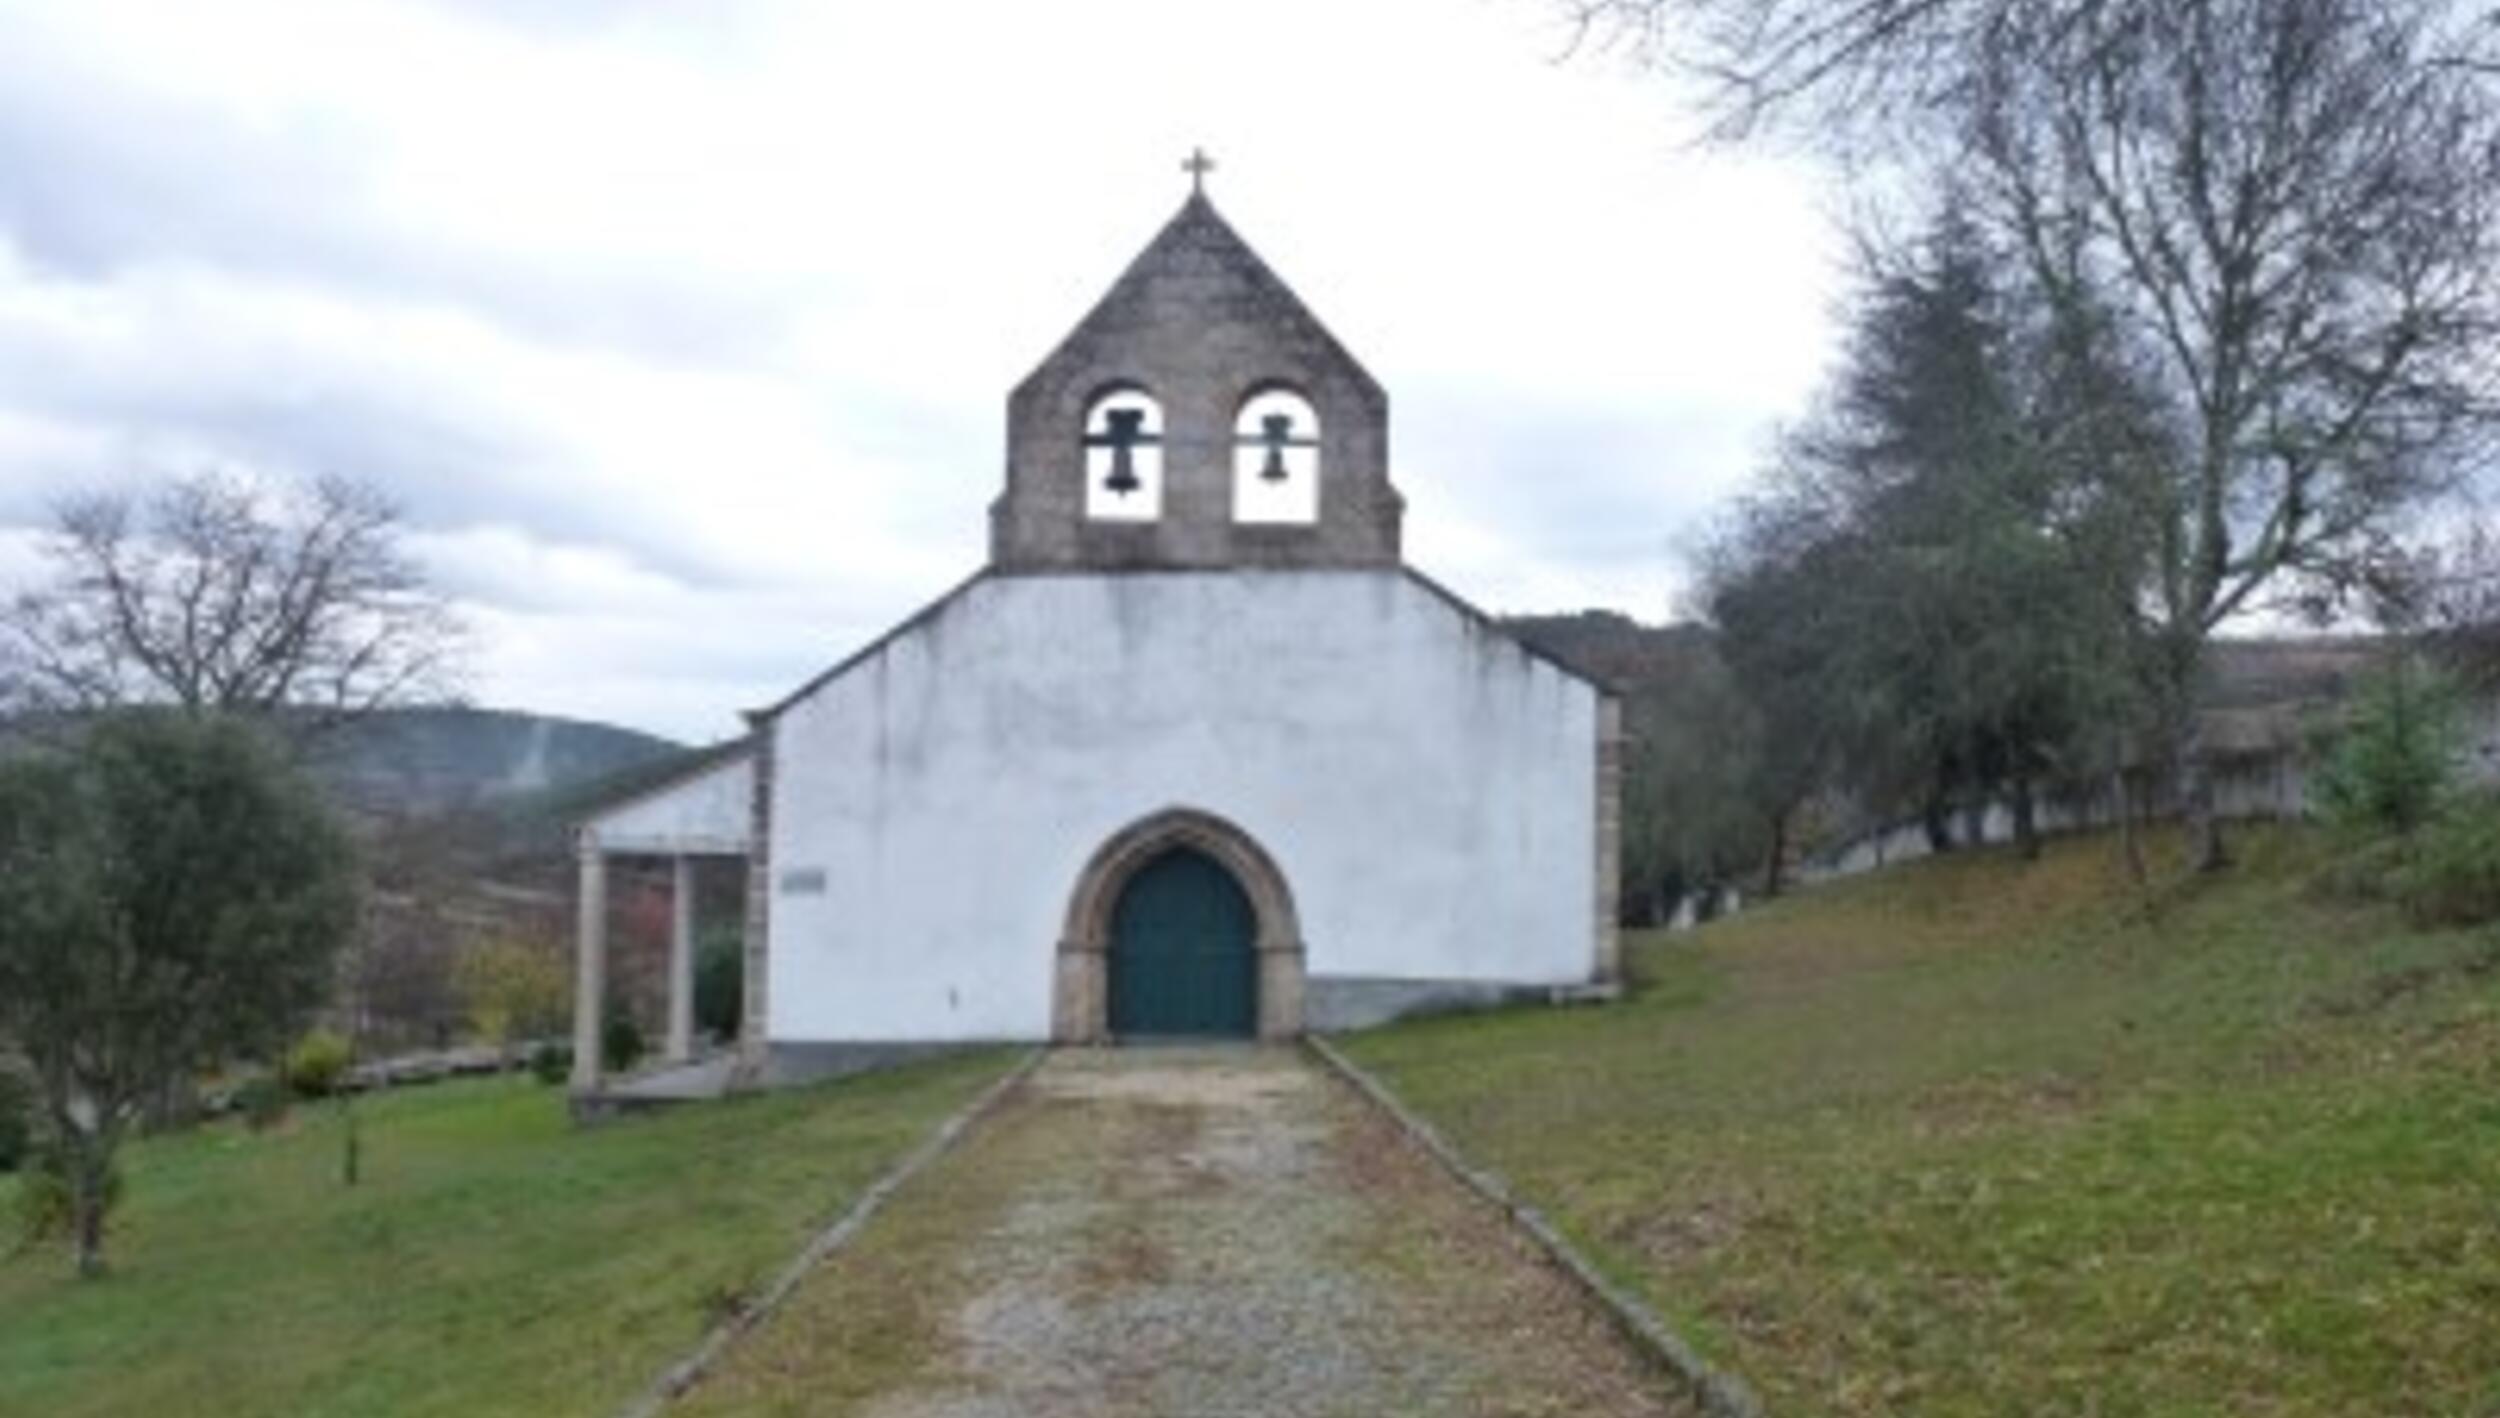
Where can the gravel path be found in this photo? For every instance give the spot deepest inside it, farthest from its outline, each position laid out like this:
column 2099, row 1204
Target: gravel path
column 1183, row 1231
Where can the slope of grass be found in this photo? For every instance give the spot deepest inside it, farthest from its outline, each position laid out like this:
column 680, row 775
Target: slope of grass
column 1982, row 1137
column 495, row 1260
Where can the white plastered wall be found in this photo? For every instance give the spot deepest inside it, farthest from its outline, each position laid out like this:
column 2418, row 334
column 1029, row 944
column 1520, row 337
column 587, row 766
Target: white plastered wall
column 1426, row 786
column 706, row 814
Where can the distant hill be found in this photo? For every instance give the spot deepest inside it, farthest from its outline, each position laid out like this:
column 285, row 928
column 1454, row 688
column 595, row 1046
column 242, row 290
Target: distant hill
column 488, row 789
column 423, row 762
column 1611, row 647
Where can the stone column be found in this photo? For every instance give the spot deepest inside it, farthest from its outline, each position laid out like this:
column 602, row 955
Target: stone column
column 754, row 1043
column 1608, row 966
column 590, row 965
column 681, row 964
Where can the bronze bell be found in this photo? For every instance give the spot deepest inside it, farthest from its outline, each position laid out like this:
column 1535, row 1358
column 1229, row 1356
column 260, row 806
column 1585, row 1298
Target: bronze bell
column 1125, row 433
column 1276, row 432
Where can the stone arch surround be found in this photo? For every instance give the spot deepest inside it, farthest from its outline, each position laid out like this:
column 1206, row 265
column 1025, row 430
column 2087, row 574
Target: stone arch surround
column 1081, row 984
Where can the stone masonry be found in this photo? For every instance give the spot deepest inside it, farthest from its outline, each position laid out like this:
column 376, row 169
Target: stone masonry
column 755, row 1016
column 1202, row 325
column 1609, row 840
column 1101, row 691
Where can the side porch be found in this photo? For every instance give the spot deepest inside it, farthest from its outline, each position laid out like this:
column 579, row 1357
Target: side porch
column 691, row 824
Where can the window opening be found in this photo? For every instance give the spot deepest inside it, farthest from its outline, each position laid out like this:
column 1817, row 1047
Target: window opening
column 1124, row 457
column 1276, row 459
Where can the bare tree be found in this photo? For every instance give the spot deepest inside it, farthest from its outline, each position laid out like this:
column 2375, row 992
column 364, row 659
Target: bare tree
column 1853, row 72
column 2288, row 207
column 214, row 592
column 1865, row 74
column 2279, row 212
column 2449, row 600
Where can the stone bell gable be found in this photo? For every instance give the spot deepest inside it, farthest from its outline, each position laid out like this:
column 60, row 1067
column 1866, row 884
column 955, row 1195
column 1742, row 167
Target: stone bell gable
column 1192, row 388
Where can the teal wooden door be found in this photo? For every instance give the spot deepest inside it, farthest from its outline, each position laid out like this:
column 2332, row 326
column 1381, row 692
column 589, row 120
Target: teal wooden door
column 1182, row 951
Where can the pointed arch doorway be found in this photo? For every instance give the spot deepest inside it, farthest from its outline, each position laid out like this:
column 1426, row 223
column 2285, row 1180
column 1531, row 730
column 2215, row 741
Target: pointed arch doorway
column 1180, row 925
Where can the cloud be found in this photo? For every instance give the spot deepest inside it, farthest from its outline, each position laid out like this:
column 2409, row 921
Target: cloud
column 120, row 160
column 683, row 333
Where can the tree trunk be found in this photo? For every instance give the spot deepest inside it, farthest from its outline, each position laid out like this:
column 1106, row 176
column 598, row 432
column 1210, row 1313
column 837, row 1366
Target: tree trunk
column 2191, row 760
column 1771, row 870
column 2026, row 822
column 88, row 1164
column 2122, row 802
column 1939, row 823
column 2196, row 788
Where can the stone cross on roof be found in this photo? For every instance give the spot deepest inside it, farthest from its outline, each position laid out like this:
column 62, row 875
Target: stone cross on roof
column 1198, row 165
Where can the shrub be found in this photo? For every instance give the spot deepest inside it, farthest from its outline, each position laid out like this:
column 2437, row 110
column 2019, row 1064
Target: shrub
column 43, row 1195
column 263, row 1102
column 515, row 989
column 621, row 1045
column 2370, row 870
column 17, row 1119
column 720, row 970
column 176, row 893
column 317, row 1066
column 551, row 1064
column 2392, row 764
column 2452, row 876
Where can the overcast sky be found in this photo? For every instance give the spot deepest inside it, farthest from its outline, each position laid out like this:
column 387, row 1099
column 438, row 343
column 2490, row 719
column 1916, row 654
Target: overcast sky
column 683, row 332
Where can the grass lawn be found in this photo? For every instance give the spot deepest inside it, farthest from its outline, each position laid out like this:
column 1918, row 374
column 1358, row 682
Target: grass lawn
column 1981, row 1137
column 495, row 1260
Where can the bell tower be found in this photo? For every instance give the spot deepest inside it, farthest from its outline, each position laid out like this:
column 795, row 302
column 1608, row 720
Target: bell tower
column 1199, row 417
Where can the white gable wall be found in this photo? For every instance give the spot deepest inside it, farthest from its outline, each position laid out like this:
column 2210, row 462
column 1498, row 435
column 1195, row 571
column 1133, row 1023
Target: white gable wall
column 1426, row 786
column 710, row 812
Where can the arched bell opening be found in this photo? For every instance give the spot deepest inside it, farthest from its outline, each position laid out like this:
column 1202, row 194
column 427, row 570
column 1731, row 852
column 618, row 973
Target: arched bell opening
column 1180, row 869
column 1276, row 457
column 1123, row 442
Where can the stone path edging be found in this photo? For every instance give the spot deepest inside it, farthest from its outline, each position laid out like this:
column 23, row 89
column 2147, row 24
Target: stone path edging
column 680, row 1376
column 1721, row 1395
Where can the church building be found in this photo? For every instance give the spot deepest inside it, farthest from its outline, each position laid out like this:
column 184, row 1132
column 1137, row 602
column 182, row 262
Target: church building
column 1195, row 754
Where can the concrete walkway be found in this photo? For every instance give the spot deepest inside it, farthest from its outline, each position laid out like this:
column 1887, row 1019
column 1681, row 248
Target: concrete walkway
column 695, row 1082
column 1183, row 1231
